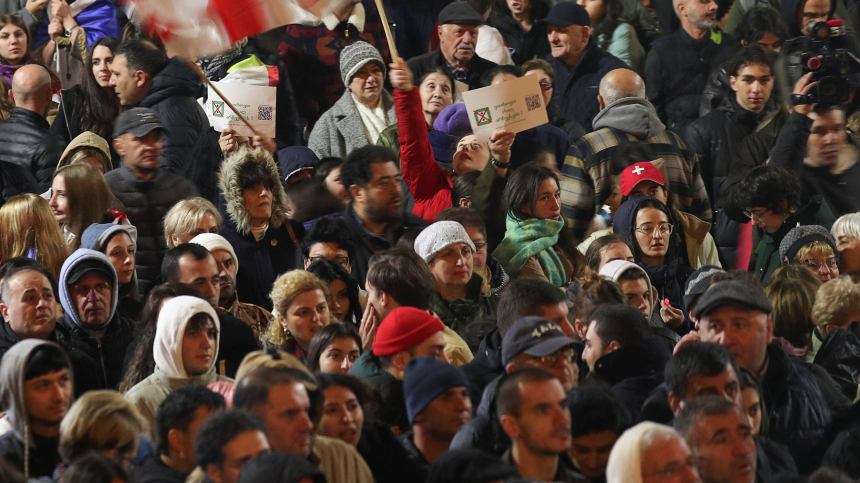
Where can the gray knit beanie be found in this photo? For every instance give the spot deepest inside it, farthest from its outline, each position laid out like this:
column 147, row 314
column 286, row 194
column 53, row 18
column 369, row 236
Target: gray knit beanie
column 803, row 235
column 353, row 57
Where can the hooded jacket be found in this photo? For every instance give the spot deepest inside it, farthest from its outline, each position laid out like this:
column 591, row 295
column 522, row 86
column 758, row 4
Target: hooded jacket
column 633, row 371
column 106, row 344
column 96, row 237
column 173, row 96
column 276, row 252
column 585, row 177
column 839, row 355
column 170, row 371
column 90, row 140
column 25, row 140
column 20, row 444
column 146, row 203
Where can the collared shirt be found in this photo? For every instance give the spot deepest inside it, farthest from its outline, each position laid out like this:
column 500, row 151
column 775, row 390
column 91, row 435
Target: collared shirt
column 356, row 18
column 461, row 75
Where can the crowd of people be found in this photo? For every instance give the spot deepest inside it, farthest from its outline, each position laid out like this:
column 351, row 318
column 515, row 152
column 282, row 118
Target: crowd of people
column 660, row 284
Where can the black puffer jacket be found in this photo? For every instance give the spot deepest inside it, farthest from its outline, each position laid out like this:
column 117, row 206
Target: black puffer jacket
column 25, row 140
column 146, row 203
column 714, row 138
column 108, row 352
column 15, row 180
column 799, row 415
column 839, row 355
column 173, row 96
column 486, row 366
column 634, row 371
column 524, row 45
column 484, row 431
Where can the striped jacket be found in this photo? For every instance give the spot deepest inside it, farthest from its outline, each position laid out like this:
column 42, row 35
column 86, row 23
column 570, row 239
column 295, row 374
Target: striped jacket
column 586, row 177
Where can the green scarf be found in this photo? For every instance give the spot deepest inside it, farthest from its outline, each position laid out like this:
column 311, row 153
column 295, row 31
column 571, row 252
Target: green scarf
column 527, row 238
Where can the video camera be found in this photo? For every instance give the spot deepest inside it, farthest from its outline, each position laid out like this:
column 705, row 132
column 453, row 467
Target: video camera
column 823, row 53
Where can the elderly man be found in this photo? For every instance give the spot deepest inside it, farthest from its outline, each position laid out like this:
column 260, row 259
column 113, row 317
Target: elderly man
column 458, row 299
column 89, row 293
column 577, row 61
column 626, row 113
column 736, row 315
column 25, row 138
column 458, row 34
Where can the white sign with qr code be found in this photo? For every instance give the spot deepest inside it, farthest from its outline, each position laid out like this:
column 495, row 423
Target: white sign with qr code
column 257, row 103
column 515, row 105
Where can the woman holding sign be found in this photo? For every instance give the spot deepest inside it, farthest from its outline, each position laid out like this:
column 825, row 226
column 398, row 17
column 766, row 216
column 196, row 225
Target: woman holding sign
column 429, row 184
column 537, row 244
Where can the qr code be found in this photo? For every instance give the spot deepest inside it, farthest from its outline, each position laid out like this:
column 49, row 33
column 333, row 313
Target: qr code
column 533, row 102
column 264, row 113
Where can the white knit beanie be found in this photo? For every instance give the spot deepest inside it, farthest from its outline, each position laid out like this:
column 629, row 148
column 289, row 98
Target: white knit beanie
column 213, row 241
column 438, row 236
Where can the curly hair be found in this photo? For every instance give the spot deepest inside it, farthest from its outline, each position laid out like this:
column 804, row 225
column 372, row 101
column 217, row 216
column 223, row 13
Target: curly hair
column 836, row 301
column 285, row 289
column 774, row 188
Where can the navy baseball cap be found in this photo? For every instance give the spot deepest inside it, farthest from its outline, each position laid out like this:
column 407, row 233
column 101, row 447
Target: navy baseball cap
column 535, row 336
column 566, row 14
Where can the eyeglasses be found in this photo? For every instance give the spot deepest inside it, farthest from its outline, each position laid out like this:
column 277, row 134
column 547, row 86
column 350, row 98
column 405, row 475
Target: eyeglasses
column 343, row 260
column 752, row 214
column 816, row 264
column 564, row 355
column 648, row 229
column 545, row 85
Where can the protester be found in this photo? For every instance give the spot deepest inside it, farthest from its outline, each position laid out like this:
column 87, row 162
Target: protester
column 614, row 34
column 119, row 243
column 301, row 307
column 185, row 351
column 91, row 106
column 30, row 230
column 483, row 264
column 189, row 218
column 226, row 441
column 834, row 313
column 594, row 436
column 845, row 231
column 344, row 303
column 651, row 452
column 521, row 28
column 334, row 349
column 814, row 247
column 80, row 197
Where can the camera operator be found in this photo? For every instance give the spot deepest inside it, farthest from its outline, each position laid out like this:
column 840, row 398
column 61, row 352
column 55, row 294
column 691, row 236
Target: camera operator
column 815, row 144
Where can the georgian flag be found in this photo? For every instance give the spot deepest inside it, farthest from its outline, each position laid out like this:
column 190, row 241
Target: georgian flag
column 198, row 28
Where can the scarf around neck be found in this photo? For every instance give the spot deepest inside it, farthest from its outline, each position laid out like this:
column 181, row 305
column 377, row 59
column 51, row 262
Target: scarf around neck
column 527, row 238
column 373, row 120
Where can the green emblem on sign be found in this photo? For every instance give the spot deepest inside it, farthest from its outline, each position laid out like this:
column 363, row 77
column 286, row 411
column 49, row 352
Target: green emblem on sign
column 482, row 116
column 217, row 109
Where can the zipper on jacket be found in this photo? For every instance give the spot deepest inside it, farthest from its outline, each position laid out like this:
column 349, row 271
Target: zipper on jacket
column 102, row 361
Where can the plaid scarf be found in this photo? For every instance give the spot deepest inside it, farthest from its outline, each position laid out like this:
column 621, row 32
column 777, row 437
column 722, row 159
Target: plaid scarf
column 527, row 238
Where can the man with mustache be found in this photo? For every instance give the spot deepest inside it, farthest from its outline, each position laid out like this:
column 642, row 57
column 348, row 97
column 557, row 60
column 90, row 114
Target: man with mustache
column 147, row 192
column 533, row 410
column 372, row 178
column 720, row 439
column 458, row 34
column 679, row 65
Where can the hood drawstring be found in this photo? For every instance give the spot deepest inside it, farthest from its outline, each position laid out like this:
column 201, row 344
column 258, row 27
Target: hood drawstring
column 27, row 451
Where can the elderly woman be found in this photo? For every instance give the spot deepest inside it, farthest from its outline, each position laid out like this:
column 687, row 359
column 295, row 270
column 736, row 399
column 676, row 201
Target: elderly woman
column 812, row 246
column 257, row 225
column 651, row 452
column 837, row 337
column 846, row 231
column 365, row 109
column 189, row 218
column 461, row 297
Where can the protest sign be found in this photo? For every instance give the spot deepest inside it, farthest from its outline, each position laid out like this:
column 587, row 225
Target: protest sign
column 257, row 103
column 515, row 105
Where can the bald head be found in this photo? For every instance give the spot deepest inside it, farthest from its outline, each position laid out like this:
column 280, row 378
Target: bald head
column 31, row 88
column 620, row 83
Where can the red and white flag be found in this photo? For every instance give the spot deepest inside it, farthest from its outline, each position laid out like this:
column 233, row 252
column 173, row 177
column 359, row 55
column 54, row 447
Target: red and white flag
column 195, row 28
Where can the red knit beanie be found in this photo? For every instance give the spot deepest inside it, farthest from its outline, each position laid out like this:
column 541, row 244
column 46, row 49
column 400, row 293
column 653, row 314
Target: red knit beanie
column 404, row 328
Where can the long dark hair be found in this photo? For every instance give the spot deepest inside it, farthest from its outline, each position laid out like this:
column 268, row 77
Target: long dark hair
column 673, row 245
column 522, row 192
column 612, row 18
column 325, row 337
column 328, row 271
column 98, row 109
column 142, row 362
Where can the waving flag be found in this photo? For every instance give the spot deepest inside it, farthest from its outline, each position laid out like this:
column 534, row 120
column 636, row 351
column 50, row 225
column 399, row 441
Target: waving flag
column 196, row 28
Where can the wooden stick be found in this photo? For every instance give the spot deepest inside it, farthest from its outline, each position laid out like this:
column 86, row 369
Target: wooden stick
column 226, row 101
column 391, row 46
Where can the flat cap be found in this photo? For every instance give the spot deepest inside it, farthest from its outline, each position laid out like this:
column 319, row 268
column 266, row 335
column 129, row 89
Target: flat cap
column 460, row 13
column 736, row 293
column 566, row 14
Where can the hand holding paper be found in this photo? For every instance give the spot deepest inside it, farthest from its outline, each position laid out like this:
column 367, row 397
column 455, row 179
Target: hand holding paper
column 500, row 145
column 515, row 105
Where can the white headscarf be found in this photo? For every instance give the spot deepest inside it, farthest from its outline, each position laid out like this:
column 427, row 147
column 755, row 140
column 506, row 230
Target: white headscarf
column 625, row 460
column 172, row 320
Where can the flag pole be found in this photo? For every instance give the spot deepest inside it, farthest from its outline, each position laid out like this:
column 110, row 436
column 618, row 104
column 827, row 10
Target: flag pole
column 226, row 101
column 392, row 47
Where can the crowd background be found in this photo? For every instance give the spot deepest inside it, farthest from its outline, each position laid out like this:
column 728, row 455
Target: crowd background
column 660, row 284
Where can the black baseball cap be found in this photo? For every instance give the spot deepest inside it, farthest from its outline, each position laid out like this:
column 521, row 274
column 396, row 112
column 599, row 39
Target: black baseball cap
column 87, row 266
column 566, row 14
column 138, row 121
column 535, row 336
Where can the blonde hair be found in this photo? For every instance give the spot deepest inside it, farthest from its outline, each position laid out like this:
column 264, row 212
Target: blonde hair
column 813, row 249
column 102, row 421
column 183, row 218
column 792, row 308
column 88, row 195
column 837, row 300
column 27, row 222
column 285, row 289
column 797, row 272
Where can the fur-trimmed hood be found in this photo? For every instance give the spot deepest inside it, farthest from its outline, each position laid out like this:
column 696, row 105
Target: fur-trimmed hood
column 231, row 186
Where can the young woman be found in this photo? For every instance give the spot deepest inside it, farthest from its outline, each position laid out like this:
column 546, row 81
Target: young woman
column 80, row 197
column 329, row 169
column 613, row 34
column 15, row 44
column 517, row 21
column 536, row 243
column 301, row 306
column 119, row 243
column 344, row 303
column 649, row 226
column 92, row 105
column 334, row 349
column 30, row 230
